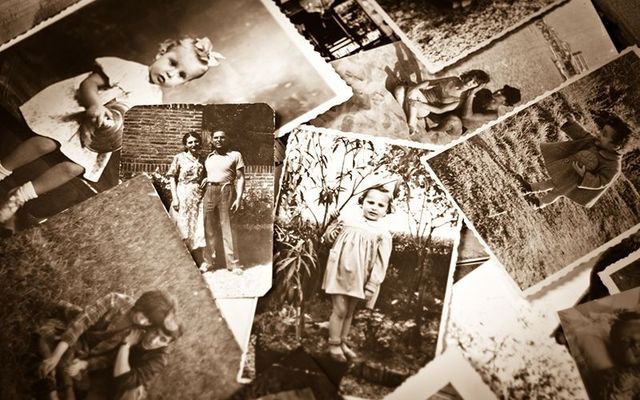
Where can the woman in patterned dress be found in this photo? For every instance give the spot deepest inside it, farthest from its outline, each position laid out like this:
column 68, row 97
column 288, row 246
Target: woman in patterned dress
column 185, row 175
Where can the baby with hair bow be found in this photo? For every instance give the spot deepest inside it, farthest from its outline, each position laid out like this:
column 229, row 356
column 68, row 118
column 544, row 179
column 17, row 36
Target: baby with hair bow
column 73, row 115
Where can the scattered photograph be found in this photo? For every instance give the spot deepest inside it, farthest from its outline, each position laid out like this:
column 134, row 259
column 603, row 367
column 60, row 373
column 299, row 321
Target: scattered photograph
column 213, row 166
column 620, row 16
column 338, row 28
column 19, row 19
column 471, row 253
column 75, row 79
column 508, row 338
column 443, row 32
column 551, row 186
column 394, row 91
column 364, row 256
column 103, row 301
column 448, row 377
column 294, row 376
column 622, row 275
column 603, row 337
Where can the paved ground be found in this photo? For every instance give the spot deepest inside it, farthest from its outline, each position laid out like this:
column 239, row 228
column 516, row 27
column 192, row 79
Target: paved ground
column 255, row 281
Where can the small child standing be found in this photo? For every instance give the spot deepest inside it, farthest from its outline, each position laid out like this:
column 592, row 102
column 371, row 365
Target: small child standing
column 356, row 266
column 581, row 169
column 70, row 114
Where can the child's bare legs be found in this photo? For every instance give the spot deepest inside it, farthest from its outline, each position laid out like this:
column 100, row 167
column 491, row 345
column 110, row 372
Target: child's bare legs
column 339, row 312
column 346, row 327
column 54, row 177
column 28, row 151
column 416, row 110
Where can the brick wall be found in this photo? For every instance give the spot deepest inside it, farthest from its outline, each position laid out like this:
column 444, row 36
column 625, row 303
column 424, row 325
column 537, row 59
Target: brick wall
column 153, row 135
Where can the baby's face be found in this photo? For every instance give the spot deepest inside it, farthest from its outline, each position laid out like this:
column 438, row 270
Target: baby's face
column 375, row 205
column 629, row 343
column 175, row 67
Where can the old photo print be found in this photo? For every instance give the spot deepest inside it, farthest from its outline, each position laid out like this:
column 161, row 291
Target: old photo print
column 112, row 280
column 557, row 182
column 448, row 377
column 365, row 248
column 80, row 75
column 603, row 338
column 623, row 274
column 339, row 28
column 213, row 166
column 440, row 33
column 524, row 64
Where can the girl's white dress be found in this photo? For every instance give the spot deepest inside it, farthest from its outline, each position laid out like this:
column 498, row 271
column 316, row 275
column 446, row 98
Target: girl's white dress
column 55, row 112
column 358, row 258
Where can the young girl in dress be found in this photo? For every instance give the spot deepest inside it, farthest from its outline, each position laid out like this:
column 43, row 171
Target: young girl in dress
column 436, row 95
column 357, row 265
column 65, row 114
column 581, row 169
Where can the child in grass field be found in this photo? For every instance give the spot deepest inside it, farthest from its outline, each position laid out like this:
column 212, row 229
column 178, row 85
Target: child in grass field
column 357, row 265
column 83, row 115
column 581, row 169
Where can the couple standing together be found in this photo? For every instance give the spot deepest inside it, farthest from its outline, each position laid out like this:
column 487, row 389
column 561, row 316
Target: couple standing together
column 205, row 192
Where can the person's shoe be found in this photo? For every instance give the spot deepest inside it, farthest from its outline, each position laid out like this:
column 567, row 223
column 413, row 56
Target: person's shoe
column 525, row 186
column 336, row 353
column 237, row 271
column 204, row 267
column 346, row 350
column 11, row 205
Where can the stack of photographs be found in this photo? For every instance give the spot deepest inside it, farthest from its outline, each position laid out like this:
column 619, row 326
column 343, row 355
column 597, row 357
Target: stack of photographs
column 319, row 199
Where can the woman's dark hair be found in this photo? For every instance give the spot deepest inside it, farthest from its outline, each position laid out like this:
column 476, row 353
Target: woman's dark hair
column 621, row 320
column 621, row 128
column 191, row 134
column 155, row 305
column 511, row 95
column 379, row 188
column 478, row 75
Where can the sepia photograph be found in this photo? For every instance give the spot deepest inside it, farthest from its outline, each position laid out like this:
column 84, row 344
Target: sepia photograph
column 603, row 337
column 443, row 32
column 556, row 183
column 213, row 166
column 76, row 78
column 448, row 377
column 103, row 301
column 338, row 28
column 295, row 376
column 623, row 274
column 393, row 89
column 364, row 257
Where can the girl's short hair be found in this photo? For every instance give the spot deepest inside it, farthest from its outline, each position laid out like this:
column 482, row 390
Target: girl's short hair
column 478, row 75
column 155, row 305
column 511, row 95
column 381, row 189
column 189, row 134
column 621, row 320
column 622, row 130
